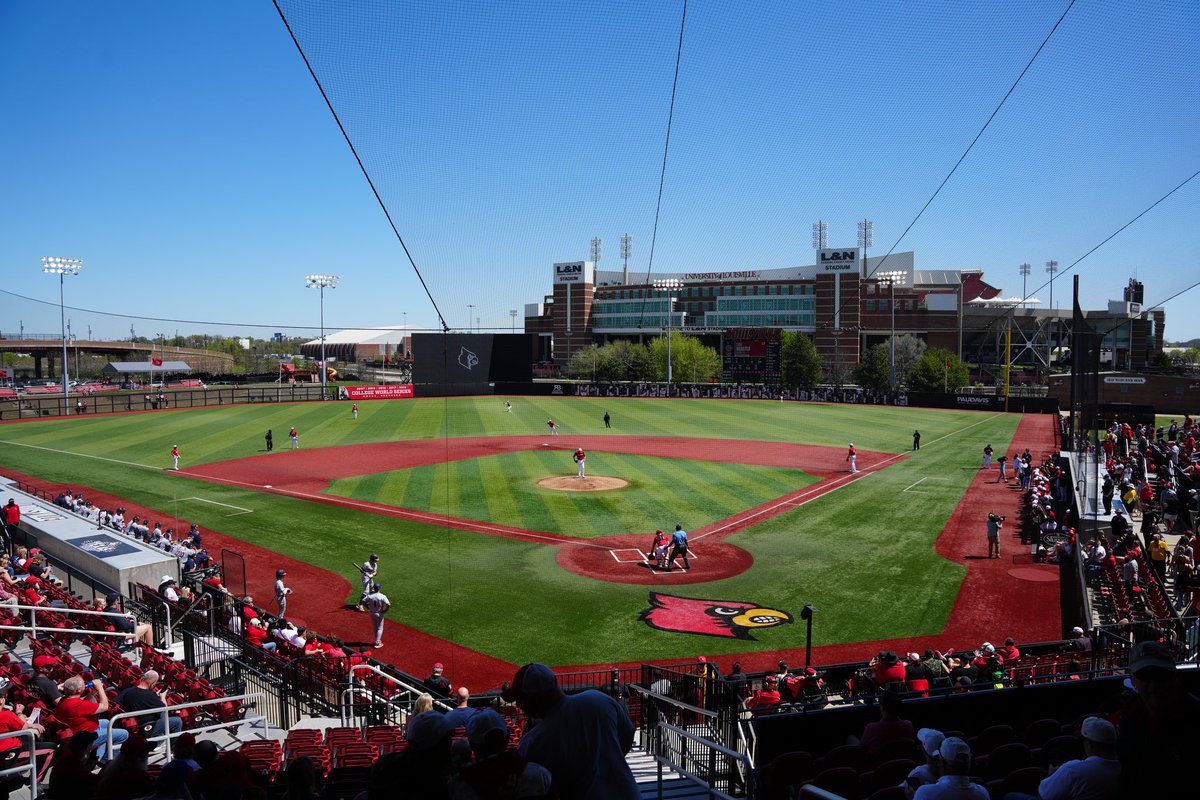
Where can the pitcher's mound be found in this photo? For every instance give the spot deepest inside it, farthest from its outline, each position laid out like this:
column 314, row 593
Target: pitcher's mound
column 588, row 484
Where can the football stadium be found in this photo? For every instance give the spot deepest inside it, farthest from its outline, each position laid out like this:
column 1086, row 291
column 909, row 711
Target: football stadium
column 716, row 517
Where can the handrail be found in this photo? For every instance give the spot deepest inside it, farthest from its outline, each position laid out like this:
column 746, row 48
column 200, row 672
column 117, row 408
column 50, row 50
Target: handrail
column 352, row 689
column 31, row 767
column 33, row 628
column 704, row 712
column 165, row 712
column 713, row 749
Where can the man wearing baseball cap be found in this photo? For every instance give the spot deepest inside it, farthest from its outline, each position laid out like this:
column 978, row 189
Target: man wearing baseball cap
column 496, row 770
column 1158, row 731
column 954, row 765
column 438, row 684
column 1097, row 776
column 582, row 738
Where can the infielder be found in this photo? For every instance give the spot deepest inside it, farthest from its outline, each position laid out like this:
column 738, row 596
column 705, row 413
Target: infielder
column 369, row 569
column 580, row 457
column 281, row 592
column 174, row 456
column 295, row 437
column 508, row 406
column 852, row 457
column 377, row 606
column 354, row 411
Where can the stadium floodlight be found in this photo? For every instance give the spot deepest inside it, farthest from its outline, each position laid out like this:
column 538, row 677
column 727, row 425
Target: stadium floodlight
column 470, row 317
column 1025, row 270
column 512, row 312
column 322, row 282
column 669, row 286
column 820, row 240
column 1052, row 267
column 53, row 265
column 626, row 252
column 866, row 238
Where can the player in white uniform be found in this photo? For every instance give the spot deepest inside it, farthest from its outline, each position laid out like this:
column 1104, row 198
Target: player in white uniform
column 369, row 569
column 579, row 457
column 377, row 606
column 281, row 592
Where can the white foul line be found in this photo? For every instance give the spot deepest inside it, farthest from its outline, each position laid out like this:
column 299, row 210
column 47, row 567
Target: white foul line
column 83, row 455
column 240, row 510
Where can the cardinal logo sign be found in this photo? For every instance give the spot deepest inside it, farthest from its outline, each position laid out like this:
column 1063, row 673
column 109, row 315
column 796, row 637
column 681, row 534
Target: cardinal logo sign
column 730, row 619
column 467, row 359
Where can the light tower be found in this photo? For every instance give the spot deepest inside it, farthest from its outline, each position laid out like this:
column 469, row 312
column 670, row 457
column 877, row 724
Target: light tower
column 626, row 252
column 669, row 286
column 1052, row 267
column 820, row 235
column 322, row 282
column 52, row 265
column 512, row 312
column 1025, row 270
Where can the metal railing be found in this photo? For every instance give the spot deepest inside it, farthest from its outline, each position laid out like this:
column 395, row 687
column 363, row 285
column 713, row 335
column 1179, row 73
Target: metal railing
column 661, row 712
column 32, row 627
column 390, row 709
column 165, row 712
column 703, row 762
column 31, row 767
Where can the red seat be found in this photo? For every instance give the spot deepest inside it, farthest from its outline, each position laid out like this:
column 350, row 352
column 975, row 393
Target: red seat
column 787, row 771
column 839, row 780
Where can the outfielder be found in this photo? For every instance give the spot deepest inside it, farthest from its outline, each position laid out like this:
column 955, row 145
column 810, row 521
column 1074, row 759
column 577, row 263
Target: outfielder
column 369, row 569
column 354, row 411
column 377, row 606
column 174, row 456
column 852, row 457
column 579, row 457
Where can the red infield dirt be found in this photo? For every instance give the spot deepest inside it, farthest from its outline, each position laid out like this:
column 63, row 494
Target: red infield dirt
column 1022, row 595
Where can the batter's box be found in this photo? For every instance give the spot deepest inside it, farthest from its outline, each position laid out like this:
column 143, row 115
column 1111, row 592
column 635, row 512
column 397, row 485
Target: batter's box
column 634, row 556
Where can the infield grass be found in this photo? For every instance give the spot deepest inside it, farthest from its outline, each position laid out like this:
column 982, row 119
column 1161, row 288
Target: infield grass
column 862, row 554
column 504, row 489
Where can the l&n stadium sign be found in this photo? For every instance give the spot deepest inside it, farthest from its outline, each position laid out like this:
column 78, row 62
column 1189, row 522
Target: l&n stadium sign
column 396, row 391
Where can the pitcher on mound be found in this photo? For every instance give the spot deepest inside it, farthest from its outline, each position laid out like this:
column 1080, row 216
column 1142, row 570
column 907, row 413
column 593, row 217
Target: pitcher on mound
column 579, row 457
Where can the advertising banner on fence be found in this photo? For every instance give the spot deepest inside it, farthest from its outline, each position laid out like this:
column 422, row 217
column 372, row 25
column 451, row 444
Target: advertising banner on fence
column 396, row 391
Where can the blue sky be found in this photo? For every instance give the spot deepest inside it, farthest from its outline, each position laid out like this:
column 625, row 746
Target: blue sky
column 183, row 151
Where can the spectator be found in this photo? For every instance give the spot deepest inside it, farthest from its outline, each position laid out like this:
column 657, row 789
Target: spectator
column 1009, row 652
column 72, row 775
column 424, row 766
column 1080, row 641
column 925, row 774
column 890, row 727
column 81, row 714
column 462, row 711
column 45, row 687
column 142, row 697
column 1156, row 732
column 766, row 697
column 917, row 676
column 437, row 684
column 737, row 679
column 423, row 703
column 887, row 669
column 222, row 774
column 954, row 765
column 1097, row 776
column 496, row 770
column 11, row 720
column 142, row 630
column 125, row 777
column 582, row 739
column 301, row 779
column 183, row 749
column 172, row 783
column 257, row 635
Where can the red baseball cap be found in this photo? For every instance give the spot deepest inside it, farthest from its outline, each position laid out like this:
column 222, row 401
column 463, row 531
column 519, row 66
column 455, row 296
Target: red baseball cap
column 44, row 662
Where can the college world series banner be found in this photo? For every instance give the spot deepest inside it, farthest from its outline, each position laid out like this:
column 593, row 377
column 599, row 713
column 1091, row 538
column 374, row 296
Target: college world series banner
column 395, row 391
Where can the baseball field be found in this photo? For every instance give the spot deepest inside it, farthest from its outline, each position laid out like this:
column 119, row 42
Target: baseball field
column 483, row 564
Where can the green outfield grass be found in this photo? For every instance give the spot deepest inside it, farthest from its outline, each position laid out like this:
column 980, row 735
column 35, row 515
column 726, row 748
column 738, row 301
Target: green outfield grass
column 503, row 489
column 862, row 554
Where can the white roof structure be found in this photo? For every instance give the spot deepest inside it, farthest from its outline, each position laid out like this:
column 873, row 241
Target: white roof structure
column 389, row 335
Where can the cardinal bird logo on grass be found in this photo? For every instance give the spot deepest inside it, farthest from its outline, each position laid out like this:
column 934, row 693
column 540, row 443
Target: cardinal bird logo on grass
column 730, row 619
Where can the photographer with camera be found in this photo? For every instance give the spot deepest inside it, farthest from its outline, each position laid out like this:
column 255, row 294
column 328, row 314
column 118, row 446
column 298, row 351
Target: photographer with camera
column 995, row 524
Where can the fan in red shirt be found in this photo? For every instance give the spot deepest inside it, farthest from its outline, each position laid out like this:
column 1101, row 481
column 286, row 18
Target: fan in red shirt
column 887, row 668
column 767, row 696
column 1009, row 652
